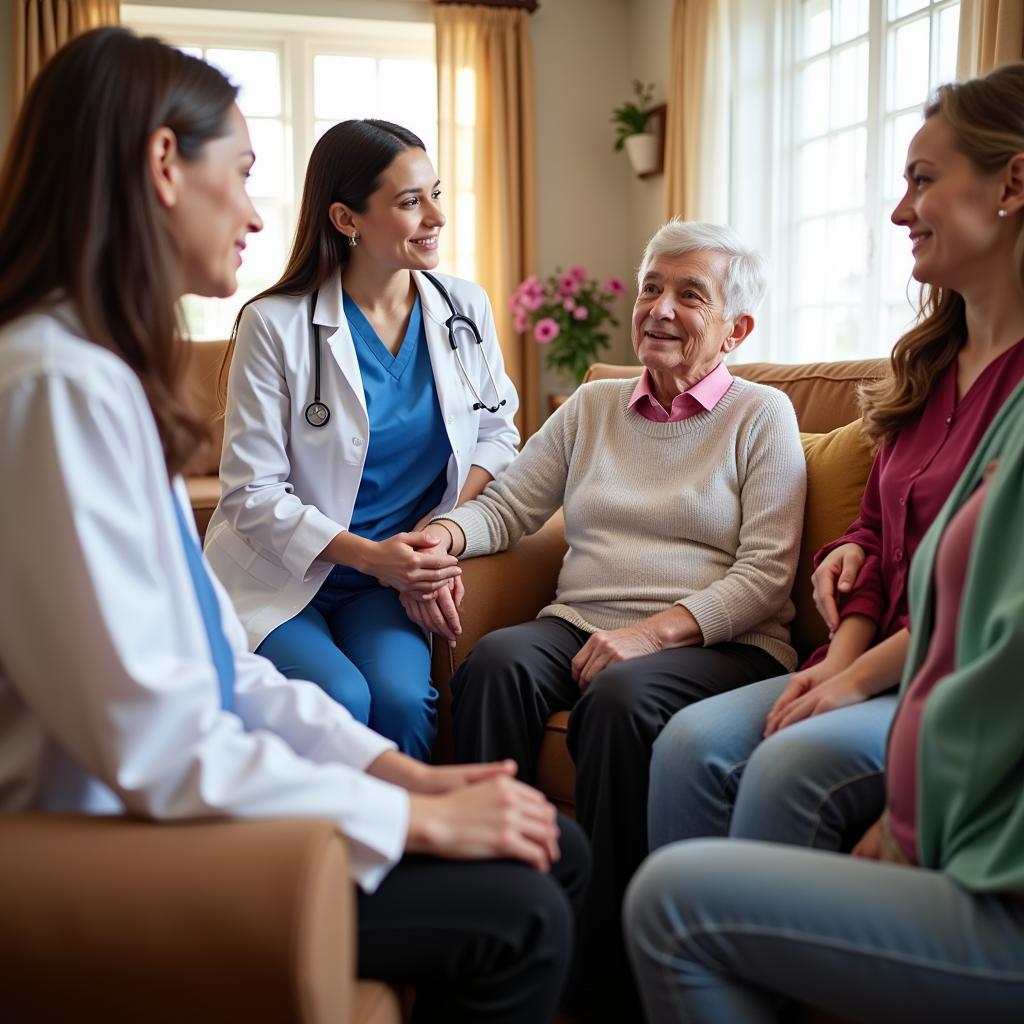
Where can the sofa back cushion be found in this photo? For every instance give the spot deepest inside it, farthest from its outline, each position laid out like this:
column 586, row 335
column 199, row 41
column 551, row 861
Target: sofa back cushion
column 824, row 395
column 838, row 464
column 204, row 362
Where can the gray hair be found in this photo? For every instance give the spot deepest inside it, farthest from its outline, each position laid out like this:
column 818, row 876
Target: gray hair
column 746, row 279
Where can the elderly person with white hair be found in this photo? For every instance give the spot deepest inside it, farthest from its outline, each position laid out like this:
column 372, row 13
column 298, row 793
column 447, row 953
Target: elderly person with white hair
column 683, row 493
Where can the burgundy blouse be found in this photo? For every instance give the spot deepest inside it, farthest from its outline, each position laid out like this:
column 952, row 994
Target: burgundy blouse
column 909, row 482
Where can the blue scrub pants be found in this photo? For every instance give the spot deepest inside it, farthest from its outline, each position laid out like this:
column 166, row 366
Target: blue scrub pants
column 724, row 930
column 357, row 644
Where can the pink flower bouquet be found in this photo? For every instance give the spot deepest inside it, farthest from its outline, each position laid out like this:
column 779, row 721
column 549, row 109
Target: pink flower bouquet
column 567, row 313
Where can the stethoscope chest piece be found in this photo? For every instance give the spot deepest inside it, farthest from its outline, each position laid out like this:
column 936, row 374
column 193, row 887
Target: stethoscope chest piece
column 317, row 414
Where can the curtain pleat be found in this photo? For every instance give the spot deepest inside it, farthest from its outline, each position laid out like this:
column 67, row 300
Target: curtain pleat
column 697, row 116
column 485, row 80
column 991, row 34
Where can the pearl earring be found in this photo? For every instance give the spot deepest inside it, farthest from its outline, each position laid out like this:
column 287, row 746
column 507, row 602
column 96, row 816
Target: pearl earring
column 1002, row 213
column 353, row 240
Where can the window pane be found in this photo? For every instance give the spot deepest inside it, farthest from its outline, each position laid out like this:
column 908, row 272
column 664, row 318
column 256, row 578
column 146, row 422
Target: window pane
column 847, row 167
column 812, row 247
column 949, row 30
column 192, row 51
column 846, row 262
column 811, row 345
column 408, row 96
column 898, row 264
column 843, row 327
column 815, row 26
column 908, row 65
column 850, row 86
column 257, row 74
column 812, row 190
column 267, row 176
column 813, row 89
column 898, row 8
column 900, row 130
column 344, row 87
column 897, row 322
column 851, row 19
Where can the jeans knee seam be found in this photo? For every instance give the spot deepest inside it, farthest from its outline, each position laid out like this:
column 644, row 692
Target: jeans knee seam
column 830, row 793
column 984, row 973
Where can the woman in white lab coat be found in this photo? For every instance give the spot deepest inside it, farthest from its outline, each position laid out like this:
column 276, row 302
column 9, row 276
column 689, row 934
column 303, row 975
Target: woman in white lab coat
column 356, row 409
column 125, row 682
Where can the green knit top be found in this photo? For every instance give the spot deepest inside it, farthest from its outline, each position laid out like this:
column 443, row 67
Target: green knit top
column 970, row 788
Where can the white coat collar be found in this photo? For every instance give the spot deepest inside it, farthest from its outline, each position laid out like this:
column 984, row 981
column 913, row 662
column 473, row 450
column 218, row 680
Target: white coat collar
column 330, row 310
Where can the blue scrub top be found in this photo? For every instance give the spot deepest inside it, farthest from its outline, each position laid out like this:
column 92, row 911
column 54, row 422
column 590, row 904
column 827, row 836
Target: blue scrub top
column 405, row 472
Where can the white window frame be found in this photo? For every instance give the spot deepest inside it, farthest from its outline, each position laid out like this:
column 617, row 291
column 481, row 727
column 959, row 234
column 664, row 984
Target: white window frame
column 296, row 39
column 763, row 173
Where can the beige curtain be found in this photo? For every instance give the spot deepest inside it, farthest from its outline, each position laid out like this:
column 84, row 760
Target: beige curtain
column 697, row 118
column 991, row 34
column 41, row 27
column 485, row 85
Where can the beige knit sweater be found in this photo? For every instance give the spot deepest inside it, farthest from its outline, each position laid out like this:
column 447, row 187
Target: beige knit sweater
column 705, row 512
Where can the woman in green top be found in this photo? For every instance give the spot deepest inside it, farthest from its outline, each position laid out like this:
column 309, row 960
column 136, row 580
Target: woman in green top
column 927, row 919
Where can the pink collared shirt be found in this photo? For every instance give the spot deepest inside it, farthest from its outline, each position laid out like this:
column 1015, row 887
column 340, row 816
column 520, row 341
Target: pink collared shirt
column 702, row 397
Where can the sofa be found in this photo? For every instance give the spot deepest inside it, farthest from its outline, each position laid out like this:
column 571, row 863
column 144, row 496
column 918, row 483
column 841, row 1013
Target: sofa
column 111, row 920
column 511, row 587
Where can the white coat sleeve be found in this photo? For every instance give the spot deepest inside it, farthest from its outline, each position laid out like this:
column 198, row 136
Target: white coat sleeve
column 497, row 439
column 257, row 497
column 106, row 644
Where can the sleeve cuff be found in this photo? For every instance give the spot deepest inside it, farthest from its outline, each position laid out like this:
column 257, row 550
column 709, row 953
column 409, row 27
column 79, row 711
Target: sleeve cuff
column 313, row 533
column 356, row 746
column 472, row 524
column 371, row 863
column 712, row 616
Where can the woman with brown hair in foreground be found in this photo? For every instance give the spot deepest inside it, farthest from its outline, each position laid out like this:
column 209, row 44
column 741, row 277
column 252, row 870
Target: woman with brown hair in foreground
column 125, row 682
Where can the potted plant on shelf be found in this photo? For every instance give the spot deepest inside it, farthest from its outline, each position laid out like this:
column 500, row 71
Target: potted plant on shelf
column 569, row 314
column 632, row 121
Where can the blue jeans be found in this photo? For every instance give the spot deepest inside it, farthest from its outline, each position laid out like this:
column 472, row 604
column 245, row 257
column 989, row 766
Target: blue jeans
column 721, row 930
column 357, row 644
column 817, row 783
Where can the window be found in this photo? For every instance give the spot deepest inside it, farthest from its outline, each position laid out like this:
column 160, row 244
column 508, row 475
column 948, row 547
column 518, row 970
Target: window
column 298, row 76
column 852, row 79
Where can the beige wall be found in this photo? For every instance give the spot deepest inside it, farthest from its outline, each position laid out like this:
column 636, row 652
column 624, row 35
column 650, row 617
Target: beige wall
column 581, row 72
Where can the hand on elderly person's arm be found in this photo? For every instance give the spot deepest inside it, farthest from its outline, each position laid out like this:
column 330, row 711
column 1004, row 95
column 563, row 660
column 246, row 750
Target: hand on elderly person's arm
column 438, row 611
column 674, row 627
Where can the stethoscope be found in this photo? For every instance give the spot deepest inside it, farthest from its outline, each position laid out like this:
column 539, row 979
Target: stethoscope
column 317, row 413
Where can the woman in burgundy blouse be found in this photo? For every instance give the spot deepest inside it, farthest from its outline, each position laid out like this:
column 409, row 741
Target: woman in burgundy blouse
column 814, row 778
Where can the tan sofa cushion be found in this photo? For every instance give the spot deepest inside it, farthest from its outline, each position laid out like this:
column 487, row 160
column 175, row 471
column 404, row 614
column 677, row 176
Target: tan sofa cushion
column 824, row 395
column 204, row 362
column 838, row 464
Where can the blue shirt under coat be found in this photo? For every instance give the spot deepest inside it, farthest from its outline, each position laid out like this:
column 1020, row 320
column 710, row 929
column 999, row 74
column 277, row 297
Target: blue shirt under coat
column 405, row 472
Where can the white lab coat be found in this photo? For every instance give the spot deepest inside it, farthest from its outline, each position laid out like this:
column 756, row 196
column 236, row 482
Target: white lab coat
column 287, row 489
column 109, row 698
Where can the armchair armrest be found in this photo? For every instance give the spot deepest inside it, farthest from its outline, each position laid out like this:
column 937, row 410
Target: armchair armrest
column 501, row 590
column 110, row 919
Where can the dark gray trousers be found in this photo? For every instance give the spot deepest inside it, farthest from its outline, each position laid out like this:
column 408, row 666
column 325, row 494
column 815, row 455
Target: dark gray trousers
column 514, row 679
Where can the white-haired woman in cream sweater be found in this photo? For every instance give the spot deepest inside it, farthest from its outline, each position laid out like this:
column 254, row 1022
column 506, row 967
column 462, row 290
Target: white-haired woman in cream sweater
column 683, row 493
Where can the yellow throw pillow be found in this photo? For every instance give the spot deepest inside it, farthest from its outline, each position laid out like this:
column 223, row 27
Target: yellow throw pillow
column 838, row 464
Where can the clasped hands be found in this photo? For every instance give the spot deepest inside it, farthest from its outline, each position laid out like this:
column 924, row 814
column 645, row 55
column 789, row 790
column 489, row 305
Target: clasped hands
column 427, row 577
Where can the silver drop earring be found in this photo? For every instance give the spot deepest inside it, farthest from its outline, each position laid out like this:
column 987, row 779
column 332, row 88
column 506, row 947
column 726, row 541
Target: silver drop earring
column 353, row 240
